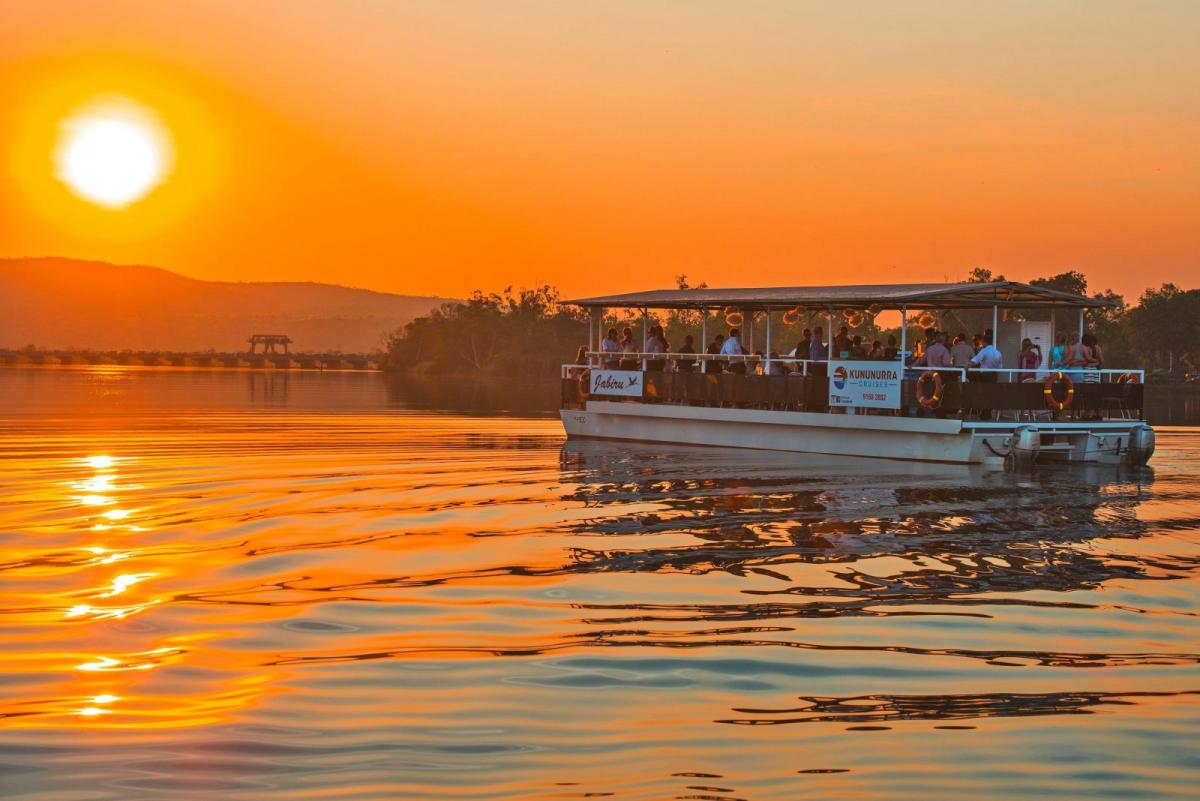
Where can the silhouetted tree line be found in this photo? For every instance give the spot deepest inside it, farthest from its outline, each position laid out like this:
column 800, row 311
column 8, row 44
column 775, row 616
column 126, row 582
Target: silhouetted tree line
column 514, row 332
column 528, row 331
column 1160, row 333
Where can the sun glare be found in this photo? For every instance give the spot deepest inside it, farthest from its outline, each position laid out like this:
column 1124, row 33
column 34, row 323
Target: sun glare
column 113, row 152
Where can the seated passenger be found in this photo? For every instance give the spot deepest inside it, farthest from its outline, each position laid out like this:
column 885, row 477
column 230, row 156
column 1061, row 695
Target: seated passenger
column 777, row 365
column 876, row 353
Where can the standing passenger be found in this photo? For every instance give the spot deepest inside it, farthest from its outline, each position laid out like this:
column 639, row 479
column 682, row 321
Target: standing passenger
column 655, row 343
column 686, row 365
column 801, row 351
column 714, row 349
column 733, row 347
column 818, row 352
column 988, row 358
column 1058, row 353
column 1028, row 360
column 610, row 345
column 628, row 348
column 961, row 352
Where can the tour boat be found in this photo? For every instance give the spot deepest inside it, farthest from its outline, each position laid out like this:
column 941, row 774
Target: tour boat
column 834, row 404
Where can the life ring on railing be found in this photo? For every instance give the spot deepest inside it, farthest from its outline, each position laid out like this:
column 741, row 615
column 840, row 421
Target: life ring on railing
column 585, row 384
column 1048, row 391
column 1128, row 378
column 934, row 400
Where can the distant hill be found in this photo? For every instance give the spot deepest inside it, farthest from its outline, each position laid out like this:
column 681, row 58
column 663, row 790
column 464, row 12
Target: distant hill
column 68, row 303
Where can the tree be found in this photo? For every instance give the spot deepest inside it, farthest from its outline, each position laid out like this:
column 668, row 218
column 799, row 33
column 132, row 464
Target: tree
column 982, row 275
column 511, row 332
column 1166, row 325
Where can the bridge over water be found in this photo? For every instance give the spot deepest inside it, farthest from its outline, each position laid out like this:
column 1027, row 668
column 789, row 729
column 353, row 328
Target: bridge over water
column 232, row 361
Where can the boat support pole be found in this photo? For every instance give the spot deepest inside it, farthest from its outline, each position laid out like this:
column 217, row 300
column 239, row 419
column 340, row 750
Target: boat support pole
column 829, row 337
column 903, row 331
column 645, row 334
column 1081, row 324
column 767, row 349
column 703, row 338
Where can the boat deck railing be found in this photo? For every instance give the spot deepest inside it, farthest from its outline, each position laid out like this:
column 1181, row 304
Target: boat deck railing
column 787, row 384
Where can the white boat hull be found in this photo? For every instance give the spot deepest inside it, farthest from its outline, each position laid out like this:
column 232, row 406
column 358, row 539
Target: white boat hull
column 881, row 436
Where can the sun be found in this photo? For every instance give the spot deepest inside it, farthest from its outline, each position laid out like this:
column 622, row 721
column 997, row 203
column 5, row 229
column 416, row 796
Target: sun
column 113, row 152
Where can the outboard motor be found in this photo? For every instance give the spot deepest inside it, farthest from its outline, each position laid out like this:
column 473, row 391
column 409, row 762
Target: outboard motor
column 1026, row 442
column 1141, row 445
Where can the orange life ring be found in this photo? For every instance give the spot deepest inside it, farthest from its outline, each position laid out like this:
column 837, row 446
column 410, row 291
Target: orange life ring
column 585, row 384
column 1048, row 391
column 930, row 401
column 1128, row 378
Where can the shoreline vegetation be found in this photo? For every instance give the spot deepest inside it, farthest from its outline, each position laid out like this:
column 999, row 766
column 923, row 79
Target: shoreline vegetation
column 528, row 332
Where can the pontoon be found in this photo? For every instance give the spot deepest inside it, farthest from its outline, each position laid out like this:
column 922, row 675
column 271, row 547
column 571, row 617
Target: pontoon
column 837, row 405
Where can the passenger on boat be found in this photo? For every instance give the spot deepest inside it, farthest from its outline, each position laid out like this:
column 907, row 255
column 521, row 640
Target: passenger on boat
column 818, row 351
column 1058, row 353
column 733, row 347
column 581, row 355
column 1096, row 360
column 857, row 351
column 892, row 351
column 801, row 350
column 760, row 362
column 610, row 345
column 876, row 354
column 686, row 365
column 1075, row 358
column 656, row 342
column 961, row 352
column 842, row 344
column 714, row 349
column 988, row 358
column 1028, row 360
column 777, row 365
column 936, row 353
column 628, row 347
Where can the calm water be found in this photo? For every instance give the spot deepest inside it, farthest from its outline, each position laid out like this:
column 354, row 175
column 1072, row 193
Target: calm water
column 257, row 586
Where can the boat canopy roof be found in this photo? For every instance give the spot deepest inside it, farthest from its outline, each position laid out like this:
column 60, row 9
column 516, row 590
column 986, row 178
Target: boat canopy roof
column 884, row 296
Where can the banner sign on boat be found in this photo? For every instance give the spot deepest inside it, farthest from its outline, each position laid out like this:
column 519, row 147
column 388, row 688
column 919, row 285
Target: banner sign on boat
column 872, row 385
column 624, row 383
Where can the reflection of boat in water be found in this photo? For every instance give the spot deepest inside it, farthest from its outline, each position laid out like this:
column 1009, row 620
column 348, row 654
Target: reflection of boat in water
column 956, row 530
column 893, row 408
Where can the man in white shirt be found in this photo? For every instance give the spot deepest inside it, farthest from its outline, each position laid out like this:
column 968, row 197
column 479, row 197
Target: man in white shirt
column 733, row 347
column 989, row 358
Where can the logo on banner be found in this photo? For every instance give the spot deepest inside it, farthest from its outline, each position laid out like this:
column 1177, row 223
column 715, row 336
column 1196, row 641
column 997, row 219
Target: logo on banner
column 624, row 383
column 871, row 385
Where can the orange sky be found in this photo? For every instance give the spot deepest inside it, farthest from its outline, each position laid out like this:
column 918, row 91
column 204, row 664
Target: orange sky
column 439, row 147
